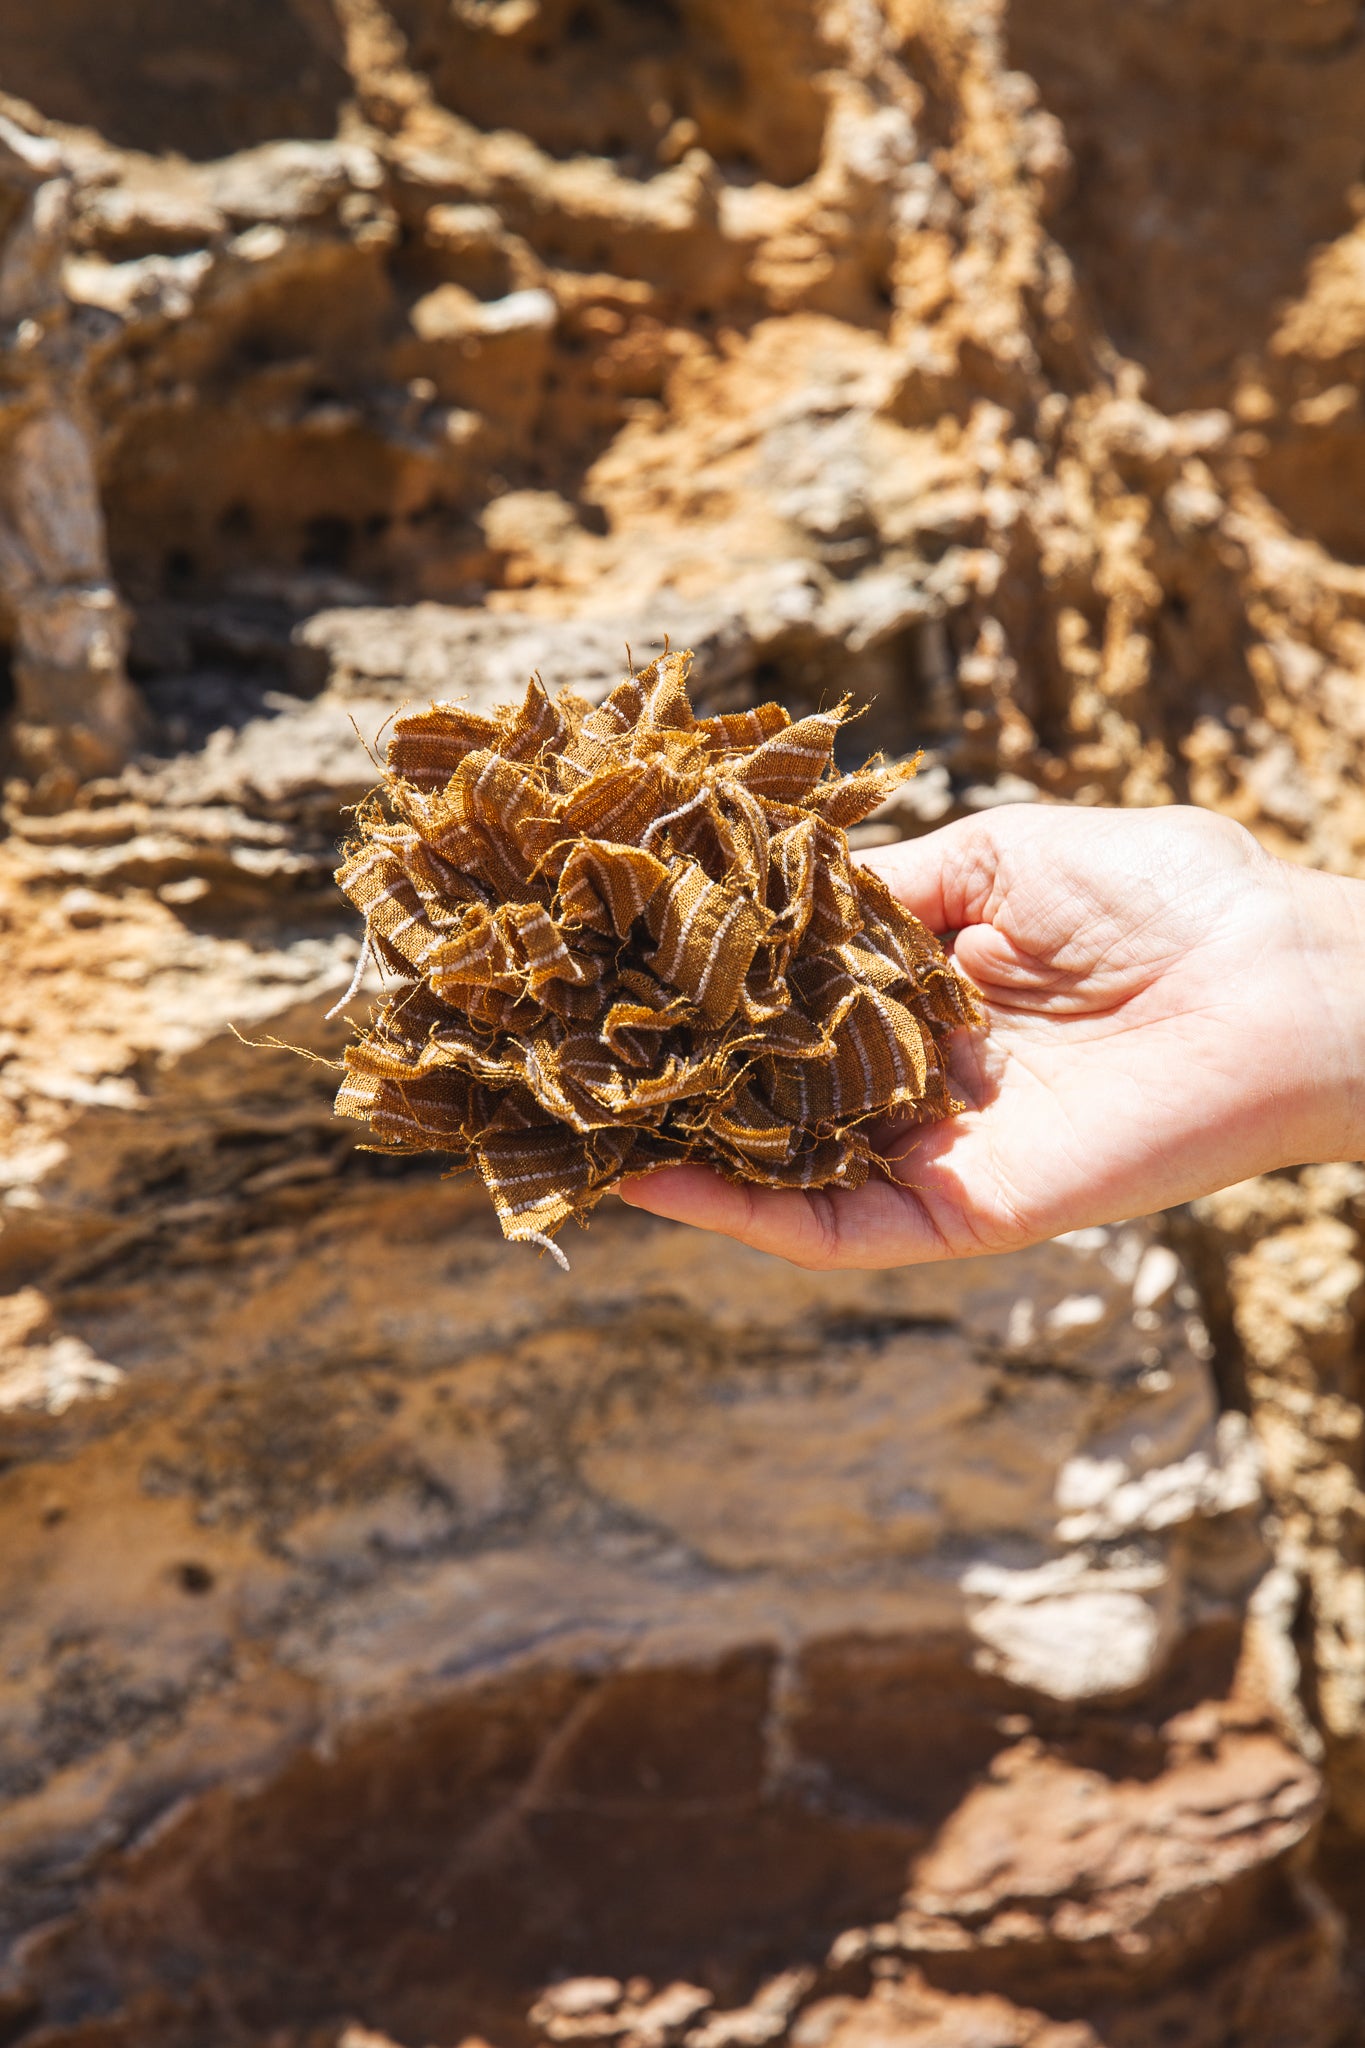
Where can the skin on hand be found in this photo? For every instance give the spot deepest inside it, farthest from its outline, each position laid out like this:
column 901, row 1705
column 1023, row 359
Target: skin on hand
column 1170, row 1009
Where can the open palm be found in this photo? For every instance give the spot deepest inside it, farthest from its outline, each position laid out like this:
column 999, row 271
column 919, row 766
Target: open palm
column 1146, row 977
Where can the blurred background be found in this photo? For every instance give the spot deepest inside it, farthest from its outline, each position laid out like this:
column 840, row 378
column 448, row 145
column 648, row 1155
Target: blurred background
column 401, row 1642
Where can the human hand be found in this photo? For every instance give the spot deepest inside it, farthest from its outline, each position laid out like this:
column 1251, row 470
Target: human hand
column 1170, row 1009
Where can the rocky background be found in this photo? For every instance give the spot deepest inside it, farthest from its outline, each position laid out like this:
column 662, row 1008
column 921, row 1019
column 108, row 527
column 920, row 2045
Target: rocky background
column 402, row 1642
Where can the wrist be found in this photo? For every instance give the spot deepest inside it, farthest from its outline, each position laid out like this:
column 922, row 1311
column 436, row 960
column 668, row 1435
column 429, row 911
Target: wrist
column 1325, row 994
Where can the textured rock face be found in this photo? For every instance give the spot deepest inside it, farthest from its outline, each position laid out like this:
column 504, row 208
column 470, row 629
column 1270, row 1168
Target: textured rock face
column 67, row 629
column 397, row 1634
column 683, row 1618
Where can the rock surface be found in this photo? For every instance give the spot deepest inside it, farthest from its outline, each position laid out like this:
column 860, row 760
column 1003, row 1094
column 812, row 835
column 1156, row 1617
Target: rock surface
column 403, row 1642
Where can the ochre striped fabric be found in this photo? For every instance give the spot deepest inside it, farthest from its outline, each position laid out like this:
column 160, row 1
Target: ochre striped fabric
column 623, row 936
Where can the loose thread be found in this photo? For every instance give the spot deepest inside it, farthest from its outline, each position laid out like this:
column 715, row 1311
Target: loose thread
column 273, row 1044
column 547, row 1244
column 356, row 979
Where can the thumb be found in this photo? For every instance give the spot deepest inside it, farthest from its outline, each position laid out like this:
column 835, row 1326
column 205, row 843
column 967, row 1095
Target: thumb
column 945, row 878
column 1004, row 971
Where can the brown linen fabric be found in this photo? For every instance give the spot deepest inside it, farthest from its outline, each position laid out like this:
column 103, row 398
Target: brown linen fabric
column 628, row 936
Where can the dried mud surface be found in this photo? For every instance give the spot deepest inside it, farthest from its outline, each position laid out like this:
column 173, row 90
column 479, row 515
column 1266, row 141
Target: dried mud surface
column 402, row 1642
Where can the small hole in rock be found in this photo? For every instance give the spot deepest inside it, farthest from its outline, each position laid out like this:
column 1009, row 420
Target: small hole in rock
column 180, row 568
column 194, row 1578
column 327, row 542
column 237, row 522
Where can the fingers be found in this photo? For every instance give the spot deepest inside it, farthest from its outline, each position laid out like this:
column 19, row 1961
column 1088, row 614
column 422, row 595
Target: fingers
column 876, row 1225
column 695, row 1195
